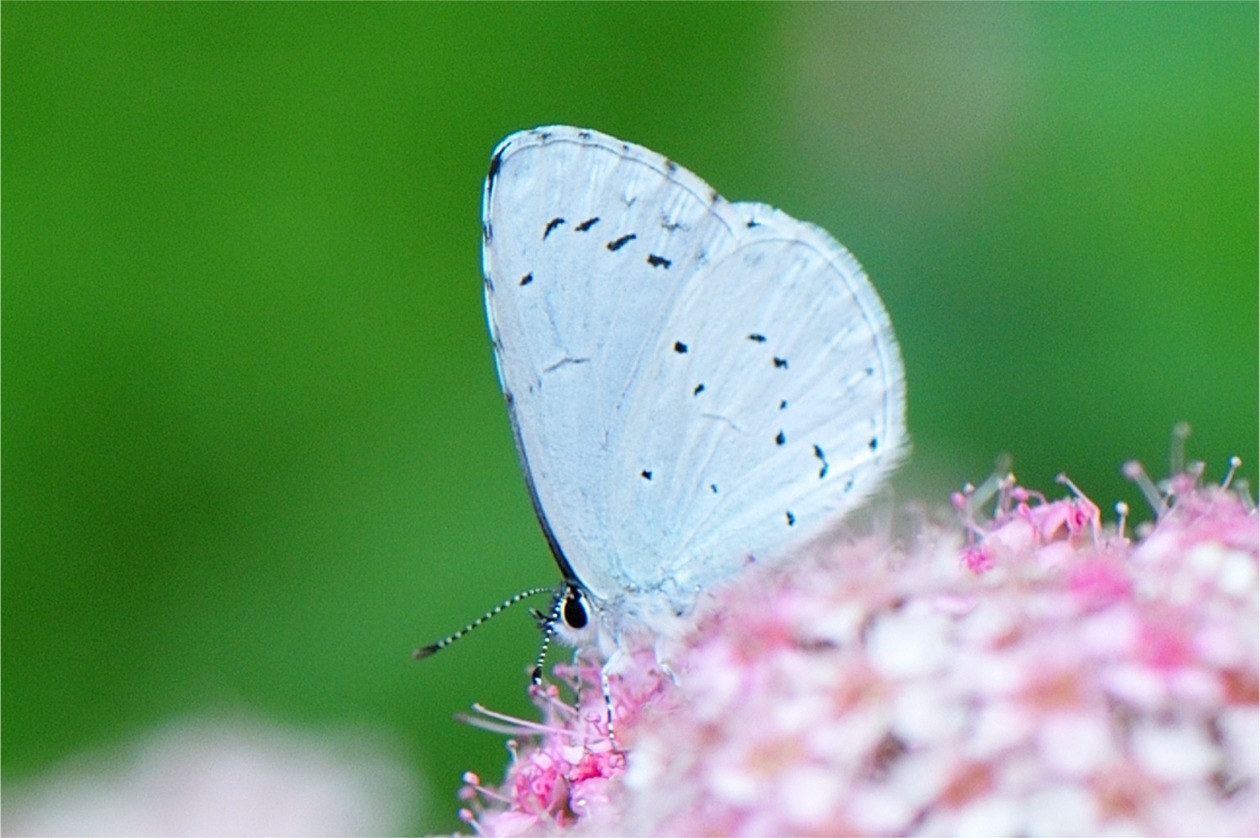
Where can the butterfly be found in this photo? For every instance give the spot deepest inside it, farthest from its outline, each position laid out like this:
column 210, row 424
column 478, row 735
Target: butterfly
column 695, row 385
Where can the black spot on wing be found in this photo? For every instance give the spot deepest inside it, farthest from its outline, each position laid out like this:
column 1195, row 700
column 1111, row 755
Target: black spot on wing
column 874, row 444
column 783, row 405
column 645, row 474
column 527, row 279
column 780, row 438
column 670, row 167
column 551, row 225
column 780, row 363
column 751, row 223
column 756, row 337
column 585, row 135
column 791, row 519
column 658, row 261
column 486, row 234
column 587, row 224
column 822, row 458
column 713, row 488
column 680, row 347
column 698, row 389
column 617, row 244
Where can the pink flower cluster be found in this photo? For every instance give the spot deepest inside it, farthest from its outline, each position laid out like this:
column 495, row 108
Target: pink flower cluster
column 1047, row 676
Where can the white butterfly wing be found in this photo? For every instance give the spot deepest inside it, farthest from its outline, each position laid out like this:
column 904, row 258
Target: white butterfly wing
column 572, row 220
column 691, row 381
column 773, row 402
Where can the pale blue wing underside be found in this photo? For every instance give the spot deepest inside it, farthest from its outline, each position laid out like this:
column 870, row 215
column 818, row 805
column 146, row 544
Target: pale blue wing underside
column 692, row 382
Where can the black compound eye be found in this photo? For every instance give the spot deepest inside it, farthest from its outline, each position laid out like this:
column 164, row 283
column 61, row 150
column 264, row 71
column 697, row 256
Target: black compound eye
column 574, row 610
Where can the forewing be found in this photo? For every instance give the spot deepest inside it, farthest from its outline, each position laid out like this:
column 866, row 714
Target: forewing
column 589, row 244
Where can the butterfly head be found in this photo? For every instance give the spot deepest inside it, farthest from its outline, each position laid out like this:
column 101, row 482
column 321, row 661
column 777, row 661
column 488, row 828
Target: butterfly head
column 573, row 618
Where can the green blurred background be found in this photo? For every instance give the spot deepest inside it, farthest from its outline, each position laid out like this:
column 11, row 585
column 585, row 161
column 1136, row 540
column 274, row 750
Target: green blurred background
column 254, row 449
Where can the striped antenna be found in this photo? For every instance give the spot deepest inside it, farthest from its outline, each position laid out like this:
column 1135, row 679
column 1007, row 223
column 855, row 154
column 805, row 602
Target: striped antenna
column 434, row 648
column 547, row 622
